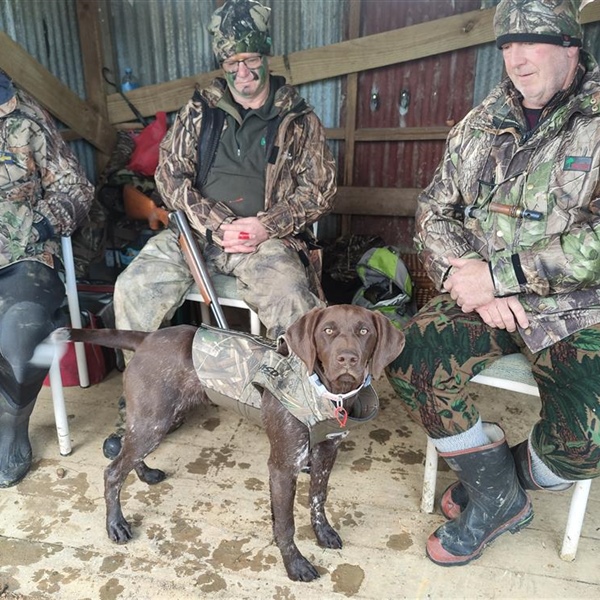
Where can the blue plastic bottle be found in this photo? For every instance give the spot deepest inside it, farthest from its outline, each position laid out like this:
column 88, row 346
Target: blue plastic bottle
column 129, row 81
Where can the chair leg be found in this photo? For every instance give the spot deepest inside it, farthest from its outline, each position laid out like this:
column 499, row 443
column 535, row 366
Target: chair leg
column 205, row 313
column 254, row 323
column 429, row 478
column 60, row 413
column 74, row 312
column 575, row 521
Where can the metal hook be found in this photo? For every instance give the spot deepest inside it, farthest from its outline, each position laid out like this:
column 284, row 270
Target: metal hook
column 404, row 102
column 374, row 100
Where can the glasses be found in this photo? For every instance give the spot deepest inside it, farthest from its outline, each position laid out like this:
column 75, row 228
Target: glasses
column 232, row 66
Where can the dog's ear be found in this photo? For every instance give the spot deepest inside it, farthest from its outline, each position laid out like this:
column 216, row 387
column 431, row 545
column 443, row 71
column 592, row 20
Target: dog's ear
column 300, row 337
column 390, row 342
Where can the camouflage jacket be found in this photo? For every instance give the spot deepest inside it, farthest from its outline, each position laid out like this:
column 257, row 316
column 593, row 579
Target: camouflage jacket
column 44, row 192
column 553, row 264
column 299, row 186
column 235, row 367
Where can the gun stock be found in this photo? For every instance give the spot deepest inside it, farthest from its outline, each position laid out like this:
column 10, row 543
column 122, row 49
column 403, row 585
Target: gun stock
column 197, row 266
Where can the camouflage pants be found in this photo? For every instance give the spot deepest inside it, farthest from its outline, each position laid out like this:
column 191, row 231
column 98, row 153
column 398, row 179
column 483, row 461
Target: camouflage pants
column 445, row 348
column 271, row 280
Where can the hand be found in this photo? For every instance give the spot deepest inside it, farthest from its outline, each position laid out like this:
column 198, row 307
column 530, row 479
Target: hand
column 504, row 313
column 469, row 283
column 243, row 235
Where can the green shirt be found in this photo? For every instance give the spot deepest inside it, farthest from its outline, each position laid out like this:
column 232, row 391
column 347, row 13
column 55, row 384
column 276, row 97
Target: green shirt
column 240, row 163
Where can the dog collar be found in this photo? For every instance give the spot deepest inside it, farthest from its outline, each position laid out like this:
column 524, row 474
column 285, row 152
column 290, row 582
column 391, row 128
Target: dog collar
column 338, row 399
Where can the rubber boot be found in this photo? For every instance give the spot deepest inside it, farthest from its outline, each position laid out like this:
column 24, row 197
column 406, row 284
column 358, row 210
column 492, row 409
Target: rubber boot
column 454, row 499
column 496, row 502
column 15, row 448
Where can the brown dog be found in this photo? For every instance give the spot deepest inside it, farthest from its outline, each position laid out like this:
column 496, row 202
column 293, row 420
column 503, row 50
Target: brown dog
column 339, row 343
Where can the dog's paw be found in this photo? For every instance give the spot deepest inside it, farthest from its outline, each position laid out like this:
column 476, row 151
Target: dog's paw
column 328, row 537
column 119, row 531
column 301, row 569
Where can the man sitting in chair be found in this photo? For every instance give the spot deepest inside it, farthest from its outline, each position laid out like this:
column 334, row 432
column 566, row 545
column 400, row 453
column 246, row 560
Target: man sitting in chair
column 510, row 229
column 247, row 161
column 43, row 194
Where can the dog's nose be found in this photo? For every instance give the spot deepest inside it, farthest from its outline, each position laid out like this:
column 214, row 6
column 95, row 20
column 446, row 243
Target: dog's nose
column 347, row 359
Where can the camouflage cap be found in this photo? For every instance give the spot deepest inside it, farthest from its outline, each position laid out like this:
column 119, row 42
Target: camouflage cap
column 542, row 21
column 240, row 26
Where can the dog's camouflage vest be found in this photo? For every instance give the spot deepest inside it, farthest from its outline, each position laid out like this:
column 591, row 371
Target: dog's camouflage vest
column 235, row 367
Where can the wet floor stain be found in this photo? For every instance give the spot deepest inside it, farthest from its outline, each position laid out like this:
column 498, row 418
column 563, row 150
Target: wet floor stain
column 111, row 590
column 18, row 552
column 283, row 593
column 403, row 432
column 400, row 541
column 151, row 495
column 230, row 555
column 211, row 583
column 380, row 435
column 113, row 563
column 217, row 458
column 347, row 579
column 211, row 424
column 407, row 456
column 254, row 484
column 50, row 582
column 361, row 465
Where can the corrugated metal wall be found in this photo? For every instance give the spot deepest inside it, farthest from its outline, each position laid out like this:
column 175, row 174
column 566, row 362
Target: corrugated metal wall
column 167, row 39
column 441, row 92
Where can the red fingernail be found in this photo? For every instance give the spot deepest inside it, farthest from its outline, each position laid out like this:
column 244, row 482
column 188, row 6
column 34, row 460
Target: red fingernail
column 244, row 235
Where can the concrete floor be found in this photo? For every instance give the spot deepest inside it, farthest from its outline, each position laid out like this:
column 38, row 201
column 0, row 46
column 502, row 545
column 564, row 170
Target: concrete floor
column 205, row 532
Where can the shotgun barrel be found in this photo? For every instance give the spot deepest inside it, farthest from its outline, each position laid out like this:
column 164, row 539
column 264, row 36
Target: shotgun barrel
column 197, row 266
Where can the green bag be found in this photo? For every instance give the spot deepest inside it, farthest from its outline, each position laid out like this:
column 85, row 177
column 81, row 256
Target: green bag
column 386, row 285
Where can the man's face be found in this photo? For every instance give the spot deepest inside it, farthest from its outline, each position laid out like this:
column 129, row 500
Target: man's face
column 538, row 71
column 246, row 74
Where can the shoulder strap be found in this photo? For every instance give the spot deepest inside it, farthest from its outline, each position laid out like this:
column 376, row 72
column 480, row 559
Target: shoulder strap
column 213, row 120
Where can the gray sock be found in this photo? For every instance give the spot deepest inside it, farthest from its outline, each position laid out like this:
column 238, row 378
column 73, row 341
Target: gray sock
column 472, row 438
column 542, row 475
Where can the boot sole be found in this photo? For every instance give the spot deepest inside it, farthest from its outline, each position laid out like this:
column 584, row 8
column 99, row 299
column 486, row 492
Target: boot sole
column 440, row 556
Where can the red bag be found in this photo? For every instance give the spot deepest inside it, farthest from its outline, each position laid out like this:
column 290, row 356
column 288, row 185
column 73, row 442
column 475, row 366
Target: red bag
column 144, row 159
column 94, row 355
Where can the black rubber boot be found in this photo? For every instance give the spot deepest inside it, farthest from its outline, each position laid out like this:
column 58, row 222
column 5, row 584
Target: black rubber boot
column 15, row 448
column 31, row 296
column 454, row 499
column 496, row 502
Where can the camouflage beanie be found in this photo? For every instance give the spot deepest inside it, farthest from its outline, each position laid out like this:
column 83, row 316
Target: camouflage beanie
column 240, row 26
column 541, row 21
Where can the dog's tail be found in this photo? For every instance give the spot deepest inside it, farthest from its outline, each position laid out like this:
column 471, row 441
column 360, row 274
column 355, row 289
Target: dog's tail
column 111, row 338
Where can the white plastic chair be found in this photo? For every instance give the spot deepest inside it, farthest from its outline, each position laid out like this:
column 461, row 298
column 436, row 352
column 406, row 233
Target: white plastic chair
column 227, row 293
column 513, row 373
column 56, row 386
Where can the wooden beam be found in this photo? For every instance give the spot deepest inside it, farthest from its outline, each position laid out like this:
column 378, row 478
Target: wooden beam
column 54, row 96
column 90, row 30
column 387, row 202
column 401, row 134
column 351, row 109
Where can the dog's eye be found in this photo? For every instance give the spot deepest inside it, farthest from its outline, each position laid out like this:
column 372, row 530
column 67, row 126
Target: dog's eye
column 329, row 330
column 363, row 331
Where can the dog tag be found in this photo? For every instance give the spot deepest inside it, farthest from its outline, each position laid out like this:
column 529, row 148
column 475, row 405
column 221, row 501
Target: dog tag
column 341, row 415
